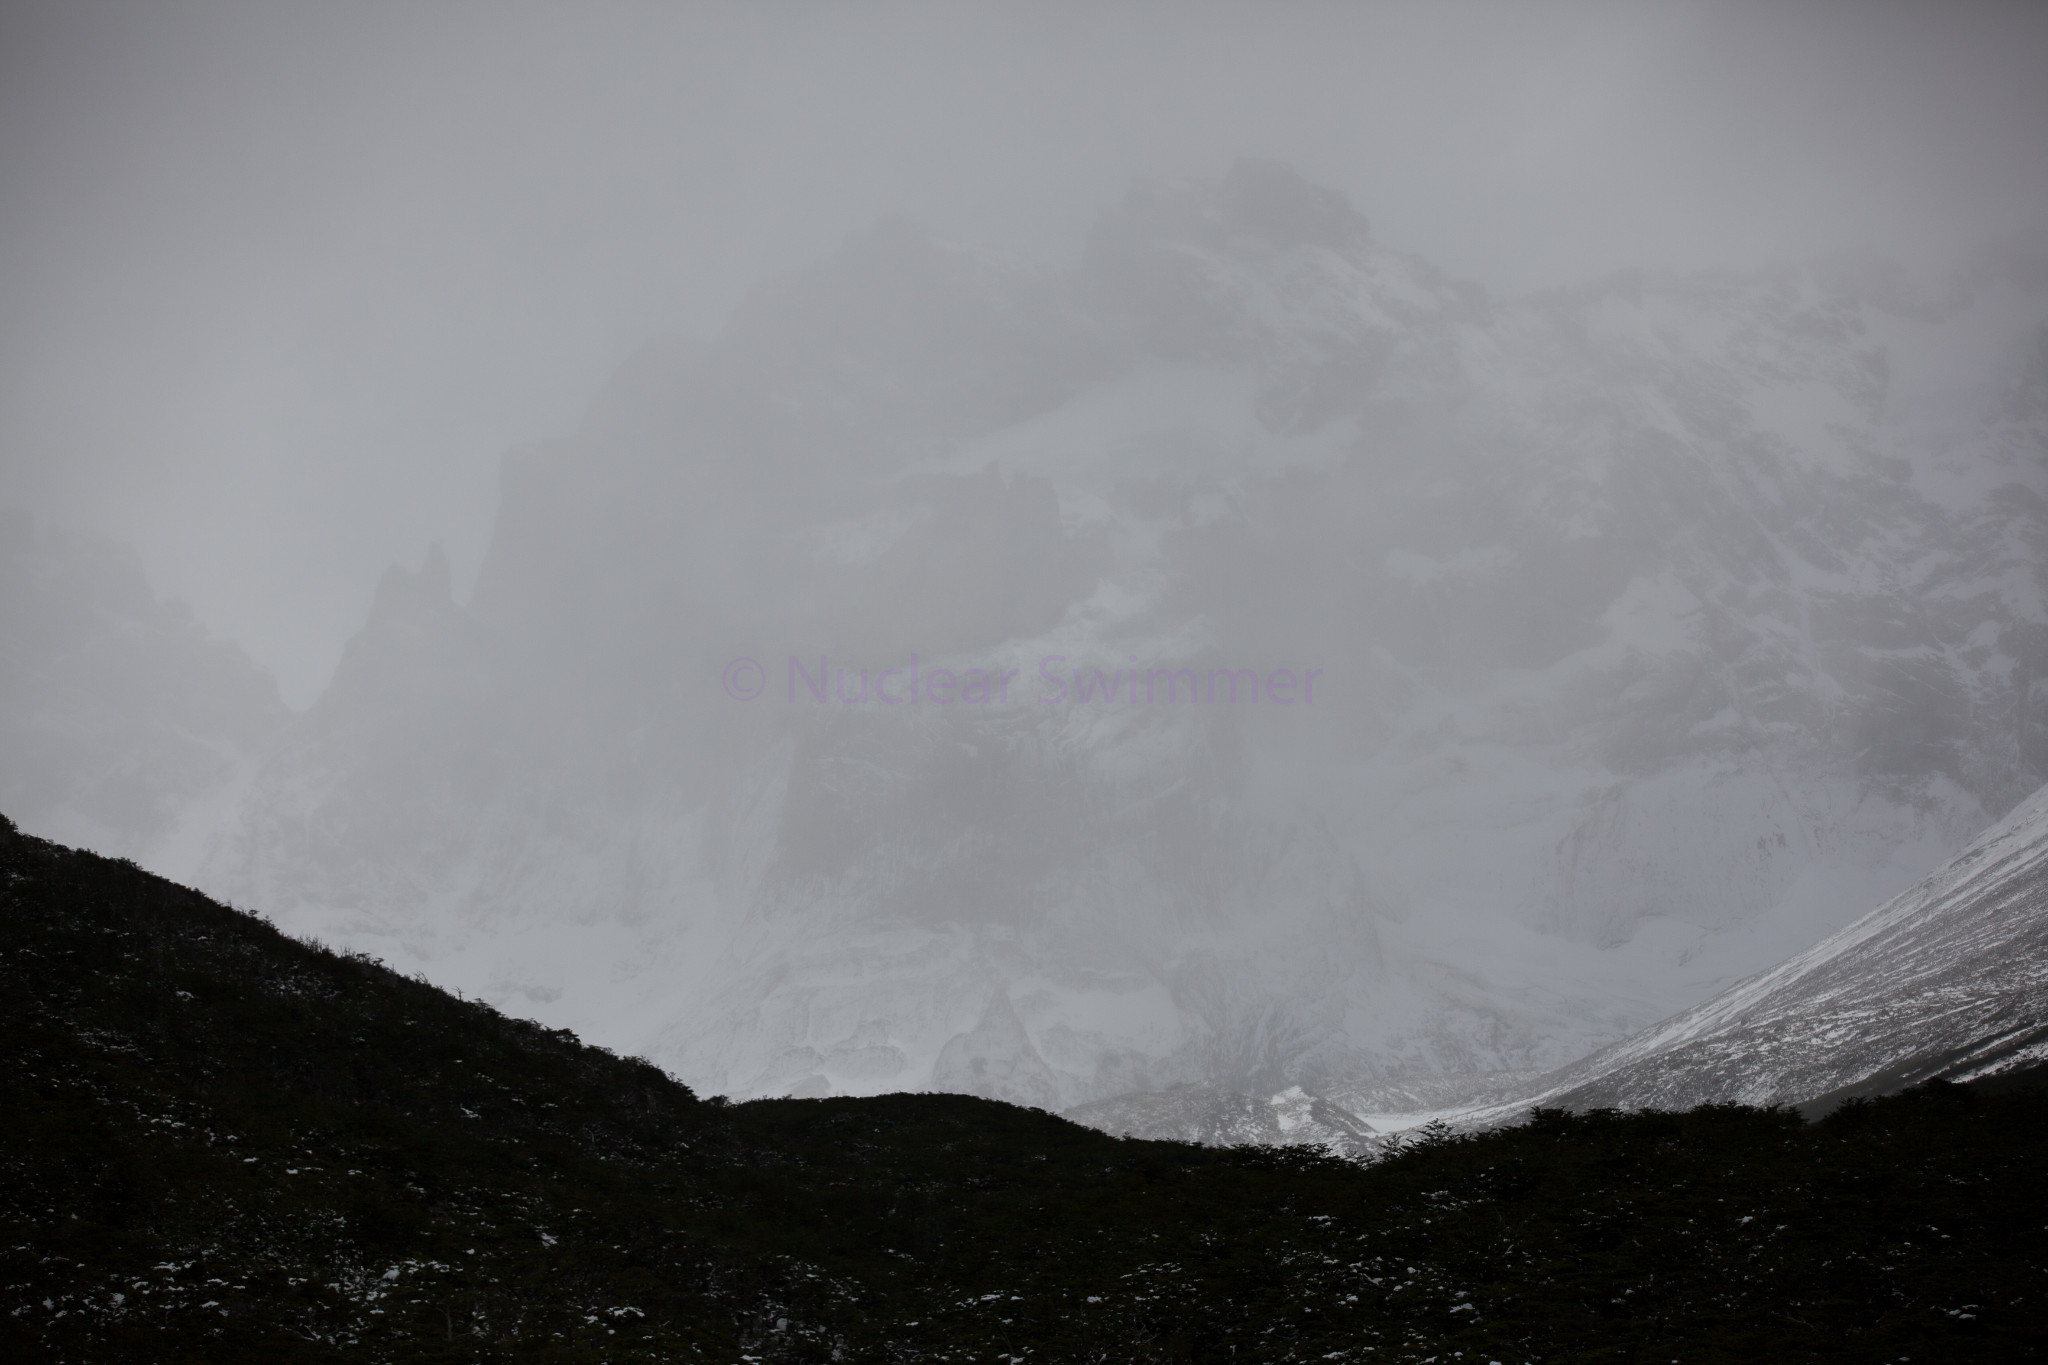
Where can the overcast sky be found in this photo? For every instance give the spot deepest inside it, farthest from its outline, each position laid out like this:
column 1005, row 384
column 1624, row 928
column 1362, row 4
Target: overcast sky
column 279, row 283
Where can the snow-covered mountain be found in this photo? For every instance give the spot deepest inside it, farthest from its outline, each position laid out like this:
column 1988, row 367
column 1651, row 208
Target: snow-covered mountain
column 1949, row 979
column 1591, row 650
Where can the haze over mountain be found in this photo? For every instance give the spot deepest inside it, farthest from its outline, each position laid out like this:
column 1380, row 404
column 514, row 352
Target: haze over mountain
column 123, row 723
column 1606, row 645
column 282, row 283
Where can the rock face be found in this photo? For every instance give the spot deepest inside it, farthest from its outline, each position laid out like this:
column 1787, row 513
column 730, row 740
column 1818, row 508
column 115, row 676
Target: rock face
column 124, row 726
column 1248, row 658
column 1948, row 980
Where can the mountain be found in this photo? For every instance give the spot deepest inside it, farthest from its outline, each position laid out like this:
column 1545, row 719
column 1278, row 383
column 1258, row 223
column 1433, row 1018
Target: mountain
column 1948, row 980
column 1560, row 660
column 227, row 1145
column 124, row 724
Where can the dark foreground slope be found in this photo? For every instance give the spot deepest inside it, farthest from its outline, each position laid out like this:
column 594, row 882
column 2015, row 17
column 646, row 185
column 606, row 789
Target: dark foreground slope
column 223, row 1145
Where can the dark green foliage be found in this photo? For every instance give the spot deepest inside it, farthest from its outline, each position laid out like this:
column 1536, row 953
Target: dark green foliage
column 244, row 1137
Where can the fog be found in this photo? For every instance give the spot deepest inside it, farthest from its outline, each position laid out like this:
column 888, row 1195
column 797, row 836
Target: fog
column 1050, row 552
column 281, row 283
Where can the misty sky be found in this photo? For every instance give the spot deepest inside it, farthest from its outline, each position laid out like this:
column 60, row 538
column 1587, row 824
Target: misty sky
column 279, row 283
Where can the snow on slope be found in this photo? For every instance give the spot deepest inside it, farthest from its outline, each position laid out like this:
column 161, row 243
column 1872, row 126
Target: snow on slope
column 1950, row 979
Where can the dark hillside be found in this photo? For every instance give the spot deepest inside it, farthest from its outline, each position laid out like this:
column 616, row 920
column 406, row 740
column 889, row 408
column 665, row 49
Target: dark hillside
column 222, row 1144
